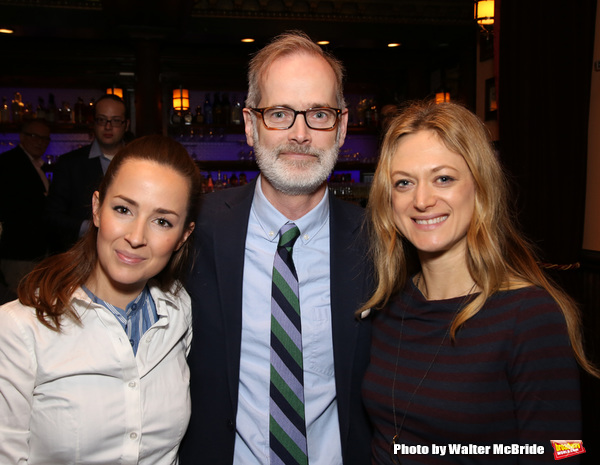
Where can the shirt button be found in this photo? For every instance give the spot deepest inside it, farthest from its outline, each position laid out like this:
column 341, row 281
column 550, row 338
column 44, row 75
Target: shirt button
column 305, row 237
column 271, row 233
column 133, row 435
column 132, row 384
column 131, row 341
column 134, row 306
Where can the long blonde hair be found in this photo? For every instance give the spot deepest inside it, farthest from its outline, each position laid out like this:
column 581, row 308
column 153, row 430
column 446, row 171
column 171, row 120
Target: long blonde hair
column 498, row 256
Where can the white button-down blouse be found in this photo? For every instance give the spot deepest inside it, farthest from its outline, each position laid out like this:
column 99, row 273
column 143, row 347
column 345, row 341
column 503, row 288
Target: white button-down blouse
column 81, row 396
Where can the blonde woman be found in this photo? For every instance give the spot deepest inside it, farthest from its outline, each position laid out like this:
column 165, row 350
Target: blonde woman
column 472, row 343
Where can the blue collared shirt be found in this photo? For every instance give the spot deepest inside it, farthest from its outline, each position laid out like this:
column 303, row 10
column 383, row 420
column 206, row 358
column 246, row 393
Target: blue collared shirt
column 311, row 259
column 139, row 315
column 96, row 152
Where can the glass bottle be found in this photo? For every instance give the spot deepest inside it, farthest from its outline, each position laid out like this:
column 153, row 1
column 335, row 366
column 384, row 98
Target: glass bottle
column 17, row 108
column 52, row 112
column 40, row 111
column 236, row 112
column 79, row 114
column 226, row 110
column 217, row 110
column 208, row 110
column 4, row 112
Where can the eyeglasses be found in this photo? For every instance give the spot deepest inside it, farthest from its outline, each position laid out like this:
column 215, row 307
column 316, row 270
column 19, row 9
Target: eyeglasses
column 321, row 119
column 37, row 137
column 115, row 122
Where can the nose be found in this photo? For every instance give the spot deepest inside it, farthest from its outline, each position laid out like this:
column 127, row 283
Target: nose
column 136, row 237
column 299, row 132
column 424, row 197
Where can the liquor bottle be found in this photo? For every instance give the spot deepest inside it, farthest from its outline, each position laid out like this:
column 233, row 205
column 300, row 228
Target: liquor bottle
column 90, row 112
column 226, row 110
column 51, row 114
column 208, row 110
column 40, row 111
column 65, row 113
column 217, row 110
column 199, row 119
column 79, row 115
column 17, row 108
column 4, row 112
column 236, row 112
column 28, row 111
column 210, row 186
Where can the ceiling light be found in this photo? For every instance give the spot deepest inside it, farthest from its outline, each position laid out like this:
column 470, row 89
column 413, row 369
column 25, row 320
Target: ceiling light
column 323, row 42
column 394, row 44
column 6, row 31
column 248, row 40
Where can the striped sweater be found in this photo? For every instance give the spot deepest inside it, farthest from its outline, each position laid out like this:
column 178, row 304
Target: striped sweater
column 509, row 380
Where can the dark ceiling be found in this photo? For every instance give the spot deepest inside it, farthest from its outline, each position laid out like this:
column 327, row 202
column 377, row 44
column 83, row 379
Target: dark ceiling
column 82, row 43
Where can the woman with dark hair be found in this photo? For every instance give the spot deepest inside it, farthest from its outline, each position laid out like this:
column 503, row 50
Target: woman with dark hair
column 93, row 354
column 472, row 342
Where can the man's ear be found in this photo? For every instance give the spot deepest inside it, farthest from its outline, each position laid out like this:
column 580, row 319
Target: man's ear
column 249, row 126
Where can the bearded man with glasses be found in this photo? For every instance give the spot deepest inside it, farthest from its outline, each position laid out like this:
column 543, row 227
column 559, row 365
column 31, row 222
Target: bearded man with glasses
column 78, row 173
column 295, row 120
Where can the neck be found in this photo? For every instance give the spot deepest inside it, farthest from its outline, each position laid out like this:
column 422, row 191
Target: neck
column 292, row 206
column 445, row 280
column 110, row 150
column 119, row 296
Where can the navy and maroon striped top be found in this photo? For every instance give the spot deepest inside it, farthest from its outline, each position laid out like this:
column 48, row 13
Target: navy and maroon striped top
column 509, row 378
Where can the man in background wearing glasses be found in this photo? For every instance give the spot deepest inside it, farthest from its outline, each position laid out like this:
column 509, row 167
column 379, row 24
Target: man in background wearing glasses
column 77, row 174
column 23, row 191
column 296, row 121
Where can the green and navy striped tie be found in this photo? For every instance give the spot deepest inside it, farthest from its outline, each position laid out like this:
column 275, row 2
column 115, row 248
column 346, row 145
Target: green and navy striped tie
column 287, row 426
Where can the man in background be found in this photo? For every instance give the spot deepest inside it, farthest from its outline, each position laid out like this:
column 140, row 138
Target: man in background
column 23, row 191
column 296, row 121
column 78, row 173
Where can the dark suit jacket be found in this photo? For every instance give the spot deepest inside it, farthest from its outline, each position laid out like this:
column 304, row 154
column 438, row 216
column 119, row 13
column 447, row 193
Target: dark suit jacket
column 215, row 286
column 22, row 203
column 75, row 179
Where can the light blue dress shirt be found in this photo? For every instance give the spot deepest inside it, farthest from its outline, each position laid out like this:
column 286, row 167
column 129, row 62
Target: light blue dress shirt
column 311, row 258
column 95, row 152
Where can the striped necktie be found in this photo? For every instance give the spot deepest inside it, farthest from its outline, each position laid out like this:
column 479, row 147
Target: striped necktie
column 287, row 427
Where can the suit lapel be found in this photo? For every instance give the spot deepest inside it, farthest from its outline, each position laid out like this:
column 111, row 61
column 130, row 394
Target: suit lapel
column 346, row 293
column 229, row 249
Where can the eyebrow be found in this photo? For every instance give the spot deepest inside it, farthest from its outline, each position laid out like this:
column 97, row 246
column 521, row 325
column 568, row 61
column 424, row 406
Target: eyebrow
column 434, row 170
column 162, row 211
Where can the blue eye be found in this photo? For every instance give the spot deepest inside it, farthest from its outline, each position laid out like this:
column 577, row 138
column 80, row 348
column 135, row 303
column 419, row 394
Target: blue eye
column 445, row 179
column 401, row 183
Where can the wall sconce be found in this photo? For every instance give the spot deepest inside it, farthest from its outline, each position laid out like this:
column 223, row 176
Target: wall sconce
column 181, row 99
column 484, row 14
column 442, row 96
column 115, row 91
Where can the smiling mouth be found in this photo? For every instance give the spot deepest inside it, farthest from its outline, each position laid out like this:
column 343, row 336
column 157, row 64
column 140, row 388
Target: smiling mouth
column 131, row 260
column 439, row 219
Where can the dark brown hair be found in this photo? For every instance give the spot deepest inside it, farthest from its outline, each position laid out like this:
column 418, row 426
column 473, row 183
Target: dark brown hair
column 49, row 287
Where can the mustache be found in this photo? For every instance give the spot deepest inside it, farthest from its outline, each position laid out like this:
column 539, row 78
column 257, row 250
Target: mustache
column 303, row 149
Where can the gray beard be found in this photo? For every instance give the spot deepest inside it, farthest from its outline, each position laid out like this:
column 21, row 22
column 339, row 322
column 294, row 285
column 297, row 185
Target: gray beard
column 295, row 177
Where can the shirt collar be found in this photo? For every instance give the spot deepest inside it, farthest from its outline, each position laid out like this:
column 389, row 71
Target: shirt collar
column 36, row 161
column 141, row 298
column 95, row 151
column 271, row 220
